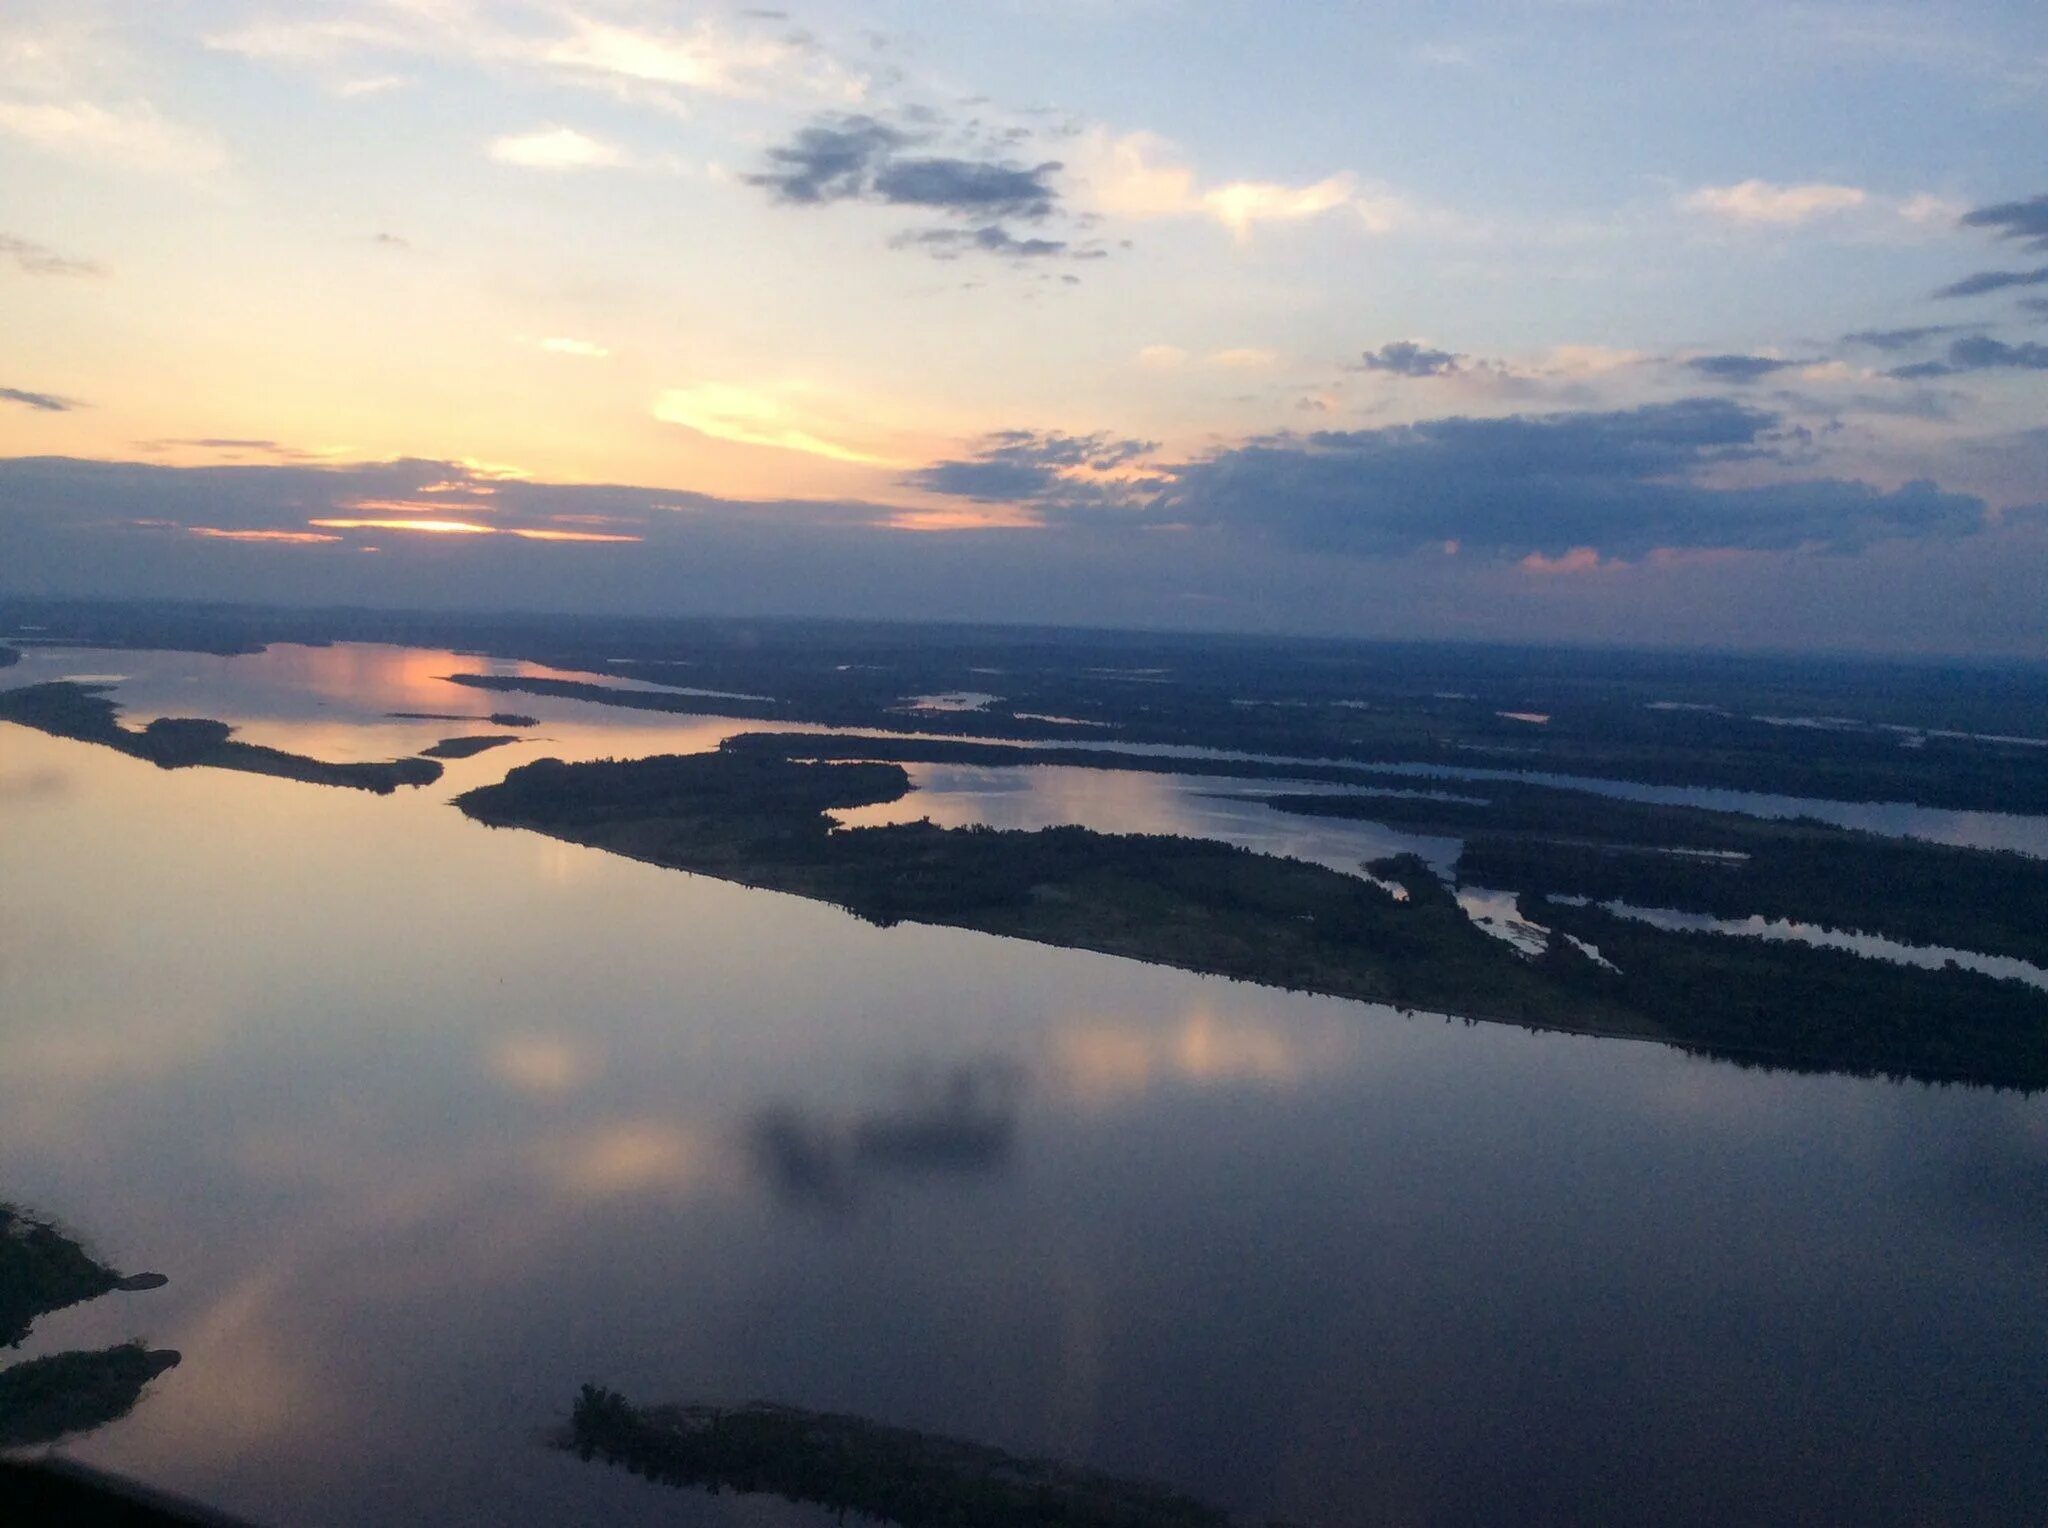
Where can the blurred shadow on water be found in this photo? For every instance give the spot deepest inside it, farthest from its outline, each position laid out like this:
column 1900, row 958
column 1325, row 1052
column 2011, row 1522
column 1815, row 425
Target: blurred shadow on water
column 959, row 1119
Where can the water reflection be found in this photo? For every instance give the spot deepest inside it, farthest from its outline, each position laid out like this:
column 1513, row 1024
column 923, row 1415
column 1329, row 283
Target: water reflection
column 1105, row 1061
column 1036, row 796
column 434, row 1123
column 961, row 1119
column 1928, row 957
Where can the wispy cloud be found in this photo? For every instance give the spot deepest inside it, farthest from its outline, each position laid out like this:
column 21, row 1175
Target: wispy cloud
column 128, row 135
column 371, row 85
column 2025, row 221
column 1408, row 358
column 1140, row 175
column 1739, row 369
column 33, row 259
column 1979, row 352
column 1899, row 339
column 42, row 403
column 791, row 417
column 556, row 148
column 233, row 447
column 1760, row 203
column 635, row 58
column 1994, row 281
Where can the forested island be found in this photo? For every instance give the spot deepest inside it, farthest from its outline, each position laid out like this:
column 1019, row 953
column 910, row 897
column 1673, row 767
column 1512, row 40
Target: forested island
column 1538, row 838
column 468, row 747
column 1968, row 737
column 1680, row 748
column 850, row 1464
column 496, row 718
column 64, row 708
column 746, row 815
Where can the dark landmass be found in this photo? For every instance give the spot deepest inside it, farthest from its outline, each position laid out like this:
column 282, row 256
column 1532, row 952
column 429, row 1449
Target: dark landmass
column 749, row 817
column 1561, row 842
column 45, row 1398
column 41, row 1270
column 467, row 747
column 82, row 711
column 1733, row 754
column 56, row 1489
column 1552, row 839
column 1739, row 996
column 8, row 657
column 1937, row 734
column 632, row 700
column 1192, row 903
column 850, row 1464
column 496, row 718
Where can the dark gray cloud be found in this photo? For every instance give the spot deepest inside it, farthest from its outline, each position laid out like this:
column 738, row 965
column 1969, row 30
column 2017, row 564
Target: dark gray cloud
column 33, row 259
column 1014, row 466
column 855, row 158
column 991, row 239
column 970, row 188
column 1625, row 482
column 1899, row 403
column 1994, row 281
column 2026, row 221
column 47, row 403
column 829, row 161
column 1902, row 339
column 1978, row 352
column 276, row 450
column 114, row 529
column 1405, row 358
column 1739, row 368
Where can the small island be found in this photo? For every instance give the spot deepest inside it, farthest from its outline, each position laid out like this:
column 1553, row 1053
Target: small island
column 745, row 815
column 65, row 708
column 496, row 718
column 43, row 1270
column 849, row 1464
column 468, row 747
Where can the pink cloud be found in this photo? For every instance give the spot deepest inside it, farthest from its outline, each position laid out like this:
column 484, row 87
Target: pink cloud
column 1580, row 559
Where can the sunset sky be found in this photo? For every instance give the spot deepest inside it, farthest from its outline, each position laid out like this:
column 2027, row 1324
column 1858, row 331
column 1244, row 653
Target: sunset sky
column 1715, row 324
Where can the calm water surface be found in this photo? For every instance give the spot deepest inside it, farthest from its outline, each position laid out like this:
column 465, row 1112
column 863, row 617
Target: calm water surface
column 430, row 1123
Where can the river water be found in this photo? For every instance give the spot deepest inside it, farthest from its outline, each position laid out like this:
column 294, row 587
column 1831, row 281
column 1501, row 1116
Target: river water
column 430, row 1123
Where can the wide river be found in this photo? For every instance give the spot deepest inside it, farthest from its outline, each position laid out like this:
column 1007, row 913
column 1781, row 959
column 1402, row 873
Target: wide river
column 428, row 1124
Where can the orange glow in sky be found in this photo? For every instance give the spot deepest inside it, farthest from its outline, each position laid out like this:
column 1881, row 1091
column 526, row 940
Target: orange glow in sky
column 216, row 533
column 435, row 527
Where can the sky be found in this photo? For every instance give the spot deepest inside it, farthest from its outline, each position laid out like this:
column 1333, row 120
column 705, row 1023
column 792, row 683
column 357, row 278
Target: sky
column 1698, row 324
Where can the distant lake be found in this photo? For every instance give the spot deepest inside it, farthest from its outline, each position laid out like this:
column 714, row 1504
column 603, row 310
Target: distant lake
column 430, row 1123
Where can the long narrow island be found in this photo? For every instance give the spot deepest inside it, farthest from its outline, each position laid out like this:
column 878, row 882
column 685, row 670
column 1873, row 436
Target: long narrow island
column 64, row 708
column 760, row 820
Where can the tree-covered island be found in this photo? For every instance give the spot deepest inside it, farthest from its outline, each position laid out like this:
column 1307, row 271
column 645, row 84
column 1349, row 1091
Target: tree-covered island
column 748, row 816
column 64, row 708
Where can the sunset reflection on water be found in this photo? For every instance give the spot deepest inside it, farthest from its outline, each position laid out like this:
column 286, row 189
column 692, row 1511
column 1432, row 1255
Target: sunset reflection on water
column 430, row 1123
